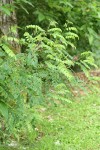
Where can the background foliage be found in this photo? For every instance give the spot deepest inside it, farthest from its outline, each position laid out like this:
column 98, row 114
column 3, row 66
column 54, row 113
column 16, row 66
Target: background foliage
column 85, row 16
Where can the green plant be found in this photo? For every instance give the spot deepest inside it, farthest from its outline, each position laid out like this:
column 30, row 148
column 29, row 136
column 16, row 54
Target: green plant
column 85, row 16
column 49, row 56
column 43, row 70
column 42, row 73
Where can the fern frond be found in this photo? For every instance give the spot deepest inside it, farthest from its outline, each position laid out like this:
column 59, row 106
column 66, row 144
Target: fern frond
column 70, row 34
column 8, row 50
column 35, row 27
column 71, row 29
column 52, row 30
column 71, row 44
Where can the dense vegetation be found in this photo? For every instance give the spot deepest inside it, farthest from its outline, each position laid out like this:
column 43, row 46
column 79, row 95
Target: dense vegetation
column 42, row 44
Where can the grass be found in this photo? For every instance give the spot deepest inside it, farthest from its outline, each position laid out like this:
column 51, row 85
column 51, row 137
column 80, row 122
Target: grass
column 73, row 126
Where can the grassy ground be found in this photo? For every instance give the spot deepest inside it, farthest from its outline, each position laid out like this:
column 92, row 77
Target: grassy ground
column 73, row 126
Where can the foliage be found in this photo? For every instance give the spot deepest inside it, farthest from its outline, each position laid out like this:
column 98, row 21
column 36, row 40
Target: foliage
column 64, row 126
column 85, row 16
column 59, row 37
column 42, row 72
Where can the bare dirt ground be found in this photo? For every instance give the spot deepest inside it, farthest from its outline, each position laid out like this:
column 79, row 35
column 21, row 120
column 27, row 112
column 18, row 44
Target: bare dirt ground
column 93, row 73
column 88, row 84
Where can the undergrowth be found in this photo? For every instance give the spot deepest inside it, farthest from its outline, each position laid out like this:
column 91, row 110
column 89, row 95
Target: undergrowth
column 64, row 126
column 42, row 73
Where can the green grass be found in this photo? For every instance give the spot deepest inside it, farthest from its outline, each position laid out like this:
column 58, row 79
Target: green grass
column 73, row 126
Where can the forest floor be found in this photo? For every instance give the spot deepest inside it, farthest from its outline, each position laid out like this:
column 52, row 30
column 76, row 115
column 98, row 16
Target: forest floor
column 73, row 126
column 66, row 126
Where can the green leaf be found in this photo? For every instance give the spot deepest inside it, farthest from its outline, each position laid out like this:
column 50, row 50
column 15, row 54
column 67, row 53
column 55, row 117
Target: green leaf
column 5, row 10
column 8, row 51
column 4, row 109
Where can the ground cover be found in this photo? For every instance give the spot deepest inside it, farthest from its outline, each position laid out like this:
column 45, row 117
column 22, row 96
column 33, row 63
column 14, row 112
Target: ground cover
column 73, row 126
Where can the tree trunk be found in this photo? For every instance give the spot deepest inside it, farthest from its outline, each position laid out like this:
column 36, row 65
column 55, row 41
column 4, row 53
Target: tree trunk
column 7, row 22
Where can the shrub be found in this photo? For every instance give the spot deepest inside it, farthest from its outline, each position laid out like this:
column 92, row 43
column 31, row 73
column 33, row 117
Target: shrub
column 42, row 73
